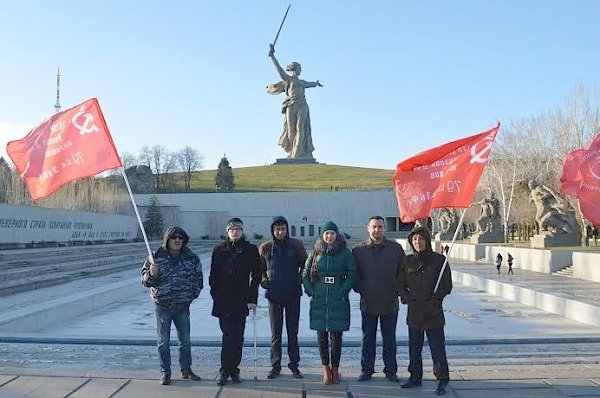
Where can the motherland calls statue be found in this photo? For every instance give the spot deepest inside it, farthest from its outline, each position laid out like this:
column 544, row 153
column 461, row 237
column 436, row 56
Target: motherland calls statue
column 296, row 138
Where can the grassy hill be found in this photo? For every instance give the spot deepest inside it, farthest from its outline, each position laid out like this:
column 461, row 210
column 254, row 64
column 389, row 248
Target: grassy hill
column 320, row 177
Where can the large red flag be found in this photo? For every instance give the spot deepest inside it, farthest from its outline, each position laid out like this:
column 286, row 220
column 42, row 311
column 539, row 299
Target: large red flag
column 444, row 176
column 570, row 180
column 67, row 146
column 584, row 182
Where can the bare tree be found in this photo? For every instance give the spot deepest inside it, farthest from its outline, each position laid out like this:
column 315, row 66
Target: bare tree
column 578, row 123
column 161, row 161
column 189, row 160
column 128, row 159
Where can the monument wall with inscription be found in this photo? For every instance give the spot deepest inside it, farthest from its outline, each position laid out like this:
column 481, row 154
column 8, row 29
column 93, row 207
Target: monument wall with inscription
column 25, row 224
column 207, row 213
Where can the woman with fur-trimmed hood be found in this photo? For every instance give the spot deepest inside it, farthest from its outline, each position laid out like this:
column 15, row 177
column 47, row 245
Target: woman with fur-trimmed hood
column 328, row 277
column 425, row 312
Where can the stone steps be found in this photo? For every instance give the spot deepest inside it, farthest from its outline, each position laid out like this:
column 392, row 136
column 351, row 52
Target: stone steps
column 55, row 277
column 567, row 271
column 29, row 269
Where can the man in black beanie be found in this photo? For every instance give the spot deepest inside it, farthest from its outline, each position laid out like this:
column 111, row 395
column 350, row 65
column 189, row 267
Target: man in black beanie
column 282, row 260
column 234, row 278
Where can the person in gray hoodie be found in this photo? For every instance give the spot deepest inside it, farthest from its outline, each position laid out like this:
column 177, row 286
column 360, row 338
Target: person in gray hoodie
column 174, row 276
column 282, row 260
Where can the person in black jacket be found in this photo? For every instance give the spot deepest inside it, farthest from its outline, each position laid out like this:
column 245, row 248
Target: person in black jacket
column 282, row 261
column 425, row 311
column 174, row 276
column 234, row 278
column 379, row 262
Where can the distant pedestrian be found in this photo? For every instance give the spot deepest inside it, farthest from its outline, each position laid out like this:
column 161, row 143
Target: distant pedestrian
column 510, row 264
column 328, row 278
column 234, row 278
column 175, row 279
column 498, row 262
column 446, row 250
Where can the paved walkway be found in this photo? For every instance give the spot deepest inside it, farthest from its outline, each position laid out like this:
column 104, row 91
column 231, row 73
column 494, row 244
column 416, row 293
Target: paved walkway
column 521, row 381
column 557, row 285
column 539, row 368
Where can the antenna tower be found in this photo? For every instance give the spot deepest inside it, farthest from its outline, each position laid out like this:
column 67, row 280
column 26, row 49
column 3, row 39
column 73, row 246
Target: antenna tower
column 57, row 105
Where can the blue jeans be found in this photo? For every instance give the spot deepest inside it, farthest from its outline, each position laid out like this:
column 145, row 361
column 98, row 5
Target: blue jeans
column 181, row 319
column 369, row 336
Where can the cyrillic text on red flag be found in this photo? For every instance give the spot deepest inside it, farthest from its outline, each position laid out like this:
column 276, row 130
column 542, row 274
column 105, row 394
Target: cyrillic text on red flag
column 444, row 176
column 69, row 145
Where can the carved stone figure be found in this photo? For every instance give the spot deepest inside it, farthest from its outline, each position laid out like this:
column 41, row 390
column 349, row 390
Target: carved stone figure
column 448, row 221
column 141, row 179
column 296, row 138
column 552, row 215
column 489, row 221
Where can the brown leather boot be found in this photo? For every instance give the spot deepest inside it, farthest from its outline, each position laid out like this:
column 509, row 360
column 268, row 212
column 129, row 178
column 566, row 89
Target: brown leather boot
column 326, row 374
column 335, row 375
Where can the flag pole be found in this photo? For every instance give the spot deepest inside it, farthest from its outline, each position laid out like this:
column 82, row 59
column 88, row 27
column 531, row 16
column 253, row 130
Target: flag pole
column 449, row 250
column 137, row 213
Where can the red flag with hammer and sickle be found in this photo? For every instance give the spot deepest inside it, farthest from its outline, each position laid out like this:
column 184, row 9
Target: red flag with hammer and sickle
column 581, row 178
column 69, row 145
column 444, row 176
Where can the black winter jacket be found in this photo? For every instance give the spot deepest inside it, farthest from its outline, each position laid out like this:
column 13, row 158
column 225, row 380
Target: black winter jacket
column 234, row 278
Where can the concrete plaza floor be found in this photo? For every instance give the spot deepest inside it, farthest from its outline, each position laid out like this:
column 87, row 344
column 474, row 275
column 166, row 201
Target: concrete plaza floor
column 496, row 347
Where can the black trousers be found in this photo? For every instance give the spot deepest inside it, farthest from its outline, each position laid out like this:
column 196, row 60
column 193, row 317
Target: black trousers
column 369, row 338
column 437, row 346
column 323, row 339
column 231, row 344
column 291, row 313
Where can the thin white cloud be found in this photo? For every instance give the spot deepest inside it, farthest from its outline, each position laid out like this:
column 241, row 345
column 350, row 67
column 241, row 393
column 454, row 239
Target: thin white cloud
column 10, row 132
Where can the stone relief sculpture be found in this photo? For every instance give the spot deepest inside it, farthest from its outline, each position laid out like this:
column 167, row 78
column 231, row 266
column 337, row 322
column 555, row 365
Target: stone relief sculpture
column 296, row 138
column 141, row 179
column 489, row 220
column 552, row 215
column 448, row 221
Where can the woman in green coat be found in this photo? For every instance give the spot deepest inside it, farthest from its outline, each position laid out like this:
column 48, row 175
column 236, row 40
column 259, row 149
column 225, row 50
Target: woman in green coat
column 328, row 277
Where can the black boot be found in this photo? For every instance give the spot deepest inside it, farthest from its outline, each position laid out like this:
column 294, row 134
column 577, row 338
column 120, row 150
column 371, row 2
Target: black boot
column 441, row 387
column 222, row 379
column 296, row 372
column 274, row 373
column 412, row 382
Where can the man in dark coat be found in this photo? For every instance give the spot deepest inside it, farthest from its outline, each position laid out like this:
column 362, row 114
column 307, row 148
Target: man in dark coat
column 174, row 276
column 234, row 278
column 425, row 312
column 282, row 260
column 378, row 265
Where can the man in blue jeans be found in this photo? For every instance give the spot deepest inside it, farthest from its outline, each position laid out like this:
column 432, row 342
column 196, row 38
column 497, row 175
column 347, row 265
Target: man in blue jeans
column 175, row 279
column 378, row 265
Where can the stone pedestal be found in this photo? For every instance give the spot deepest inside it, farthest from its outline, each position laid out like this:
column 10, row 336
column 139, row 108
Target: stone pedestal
column 444, row 236
column 296, row 161
column 547, row 240
column 487, row 238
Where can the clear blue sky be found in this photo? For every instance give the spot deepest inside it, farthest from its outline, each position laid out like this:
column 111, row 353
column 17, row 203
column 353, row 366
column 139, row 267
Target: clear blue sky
column 399, row 76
